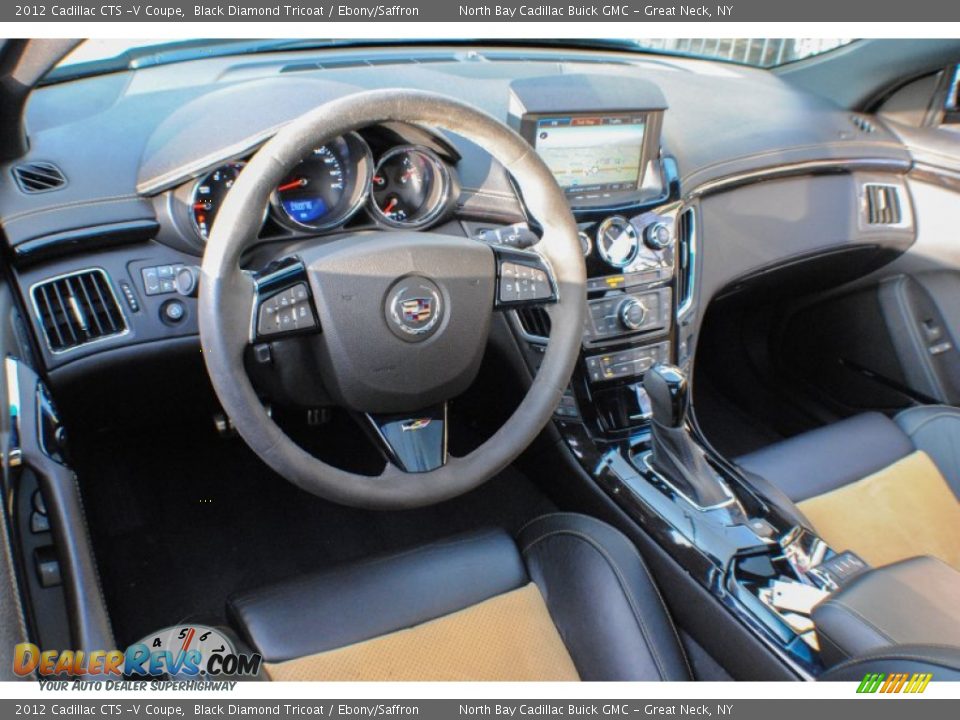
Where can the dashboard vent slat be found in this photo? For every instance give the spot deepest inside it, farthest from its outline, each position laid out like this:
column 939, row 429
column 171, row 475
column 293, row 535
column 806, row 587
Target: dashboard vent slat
column 863, row 124
column 535, row 321
column 77, row 309
column 882, row 204
column 38, row 177
column 686, row 258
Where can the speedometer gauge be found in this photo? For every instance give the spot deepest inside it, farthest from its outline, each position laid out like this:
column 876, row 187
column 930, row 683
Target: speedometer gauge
column 410, row 187
column 617, row 241
column 208, row 195
column 327, row 187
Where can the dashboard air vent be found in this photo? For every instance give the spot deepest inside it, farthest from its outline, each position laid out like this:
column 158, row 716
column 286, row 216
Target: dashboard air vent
column 882, row 204
column 863, row 123
column 77, row 309
column 38, row 177
column 535, row 321
column 686, row 259
column 357, row 61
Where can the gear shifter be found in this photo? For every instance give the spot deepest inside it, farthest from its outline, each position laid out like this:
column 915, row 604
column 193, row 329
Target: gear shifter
column 675, row 455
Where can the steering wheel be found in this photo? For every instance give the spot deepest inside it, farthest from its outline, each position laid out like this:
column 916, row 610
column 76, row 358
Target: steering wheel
column 397, row 321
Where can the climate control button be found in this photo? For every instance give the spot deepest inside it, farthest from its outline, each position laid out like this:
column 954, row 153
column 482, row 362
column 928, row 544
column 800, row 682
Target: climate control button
column 632, row 314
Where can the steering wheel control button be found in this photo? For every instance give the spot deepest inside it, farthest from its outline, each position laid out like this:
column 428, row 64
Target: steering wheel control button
column 287, row 311
column 523, row 278
column 414, row 308
column 522, row 283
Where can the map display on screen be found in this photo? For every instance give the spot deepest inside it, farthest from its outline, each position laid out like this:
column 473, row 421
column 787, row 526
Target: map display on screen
column 592, row 153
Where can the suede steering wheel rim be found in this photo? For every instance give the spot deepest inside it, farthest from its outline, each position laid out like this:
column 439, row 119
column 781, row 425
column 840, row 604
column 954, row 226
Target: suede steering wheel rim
column 227, row 294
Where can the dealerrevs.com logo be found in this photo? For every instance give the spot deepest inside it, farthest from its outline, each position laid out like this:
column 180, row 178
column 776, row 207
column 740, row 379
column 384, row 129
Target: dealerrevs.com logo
column 178, row 652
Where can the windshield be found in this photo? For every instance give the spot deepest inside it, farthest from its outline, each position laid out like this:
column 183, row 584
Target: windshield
column 759, row 52
column 93, row 57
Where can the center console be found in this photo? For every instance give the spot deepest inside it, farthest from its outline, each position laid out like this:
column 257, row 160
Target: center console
column 624, row 417
column 600, row 136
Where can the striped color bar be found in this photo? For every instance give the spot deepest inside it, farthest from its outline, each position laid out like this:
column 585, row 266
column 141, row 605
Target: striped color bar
column 894, row 683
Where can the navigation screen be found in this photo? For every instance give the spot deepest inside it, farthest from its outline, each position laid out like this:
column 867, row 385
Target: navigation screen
column 598, row 153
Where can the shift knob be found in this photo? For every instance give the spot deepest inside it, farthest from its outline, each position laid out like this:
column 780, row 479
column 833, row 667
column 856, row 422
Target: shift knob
column 666, row 386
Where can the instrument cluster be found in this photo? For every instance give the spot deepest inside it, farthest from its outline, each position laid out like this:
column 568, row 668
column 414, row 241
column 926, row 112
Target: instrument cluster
column 406, row 187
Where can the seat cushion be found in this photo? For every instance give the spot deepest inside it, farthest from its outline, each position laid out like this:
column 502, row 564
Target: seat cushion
column 579, row 602
column 872, row 485
column 901, row 511
column 357, row 602
column 830, row 457
column 508, row 637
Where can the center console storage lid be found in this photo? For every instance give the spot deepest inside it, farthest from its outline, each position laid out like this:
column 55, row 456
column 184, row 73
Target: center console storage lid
column 912, row 602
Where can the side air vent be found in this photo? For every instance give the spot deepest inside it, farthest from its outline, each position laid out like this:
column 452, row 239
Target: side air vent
column 882, row 204
column 535, row 321
column 686, row 259
column 863, row 123
column 38, row 177
column 77, row 309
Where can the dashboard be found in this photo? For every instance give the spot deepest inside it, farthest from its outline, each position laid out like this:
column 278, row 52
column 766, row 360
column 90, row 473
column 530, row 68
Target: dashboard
column 676, row 192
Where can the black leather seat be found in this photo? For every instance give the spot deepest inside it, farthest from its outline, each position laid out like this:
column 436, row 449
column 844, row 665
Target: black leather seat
column 868, row 484
column 594, row 585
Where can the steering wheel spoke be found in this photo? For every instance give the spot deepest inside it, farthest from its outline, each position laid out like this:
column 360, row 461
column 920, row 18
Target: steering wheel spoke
column 414, row 442
column 284, row 304
column 523, row 278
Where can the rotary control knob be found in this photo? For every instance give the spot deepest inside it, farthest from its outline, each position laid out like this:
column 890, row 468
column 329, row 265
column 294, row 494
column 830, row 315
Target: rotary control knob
column 632, row 313
column 586, row 244
column 657, row 236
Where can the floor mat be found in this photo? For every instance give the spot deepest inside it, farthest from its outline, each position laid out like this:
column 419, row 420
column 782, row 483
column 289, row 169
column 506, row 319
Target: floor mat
column 182, row 519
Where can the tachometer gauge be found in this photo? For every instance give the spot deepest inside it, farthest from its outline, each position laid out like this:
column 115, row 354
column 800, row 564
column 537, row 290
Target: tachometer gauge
column 208, row 195
column 617, row 241
column 410, row 187
column 327, row 187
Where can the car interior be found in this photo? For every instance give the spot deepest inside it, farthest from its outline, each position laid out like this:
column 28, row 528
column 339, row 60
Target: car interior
column 485, row 360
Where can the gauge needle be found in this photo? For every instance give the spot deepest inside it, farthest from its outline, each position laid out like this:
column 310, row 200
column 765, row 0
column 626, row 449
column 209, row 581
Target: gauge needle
column 299, row 182
column 390, row 206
